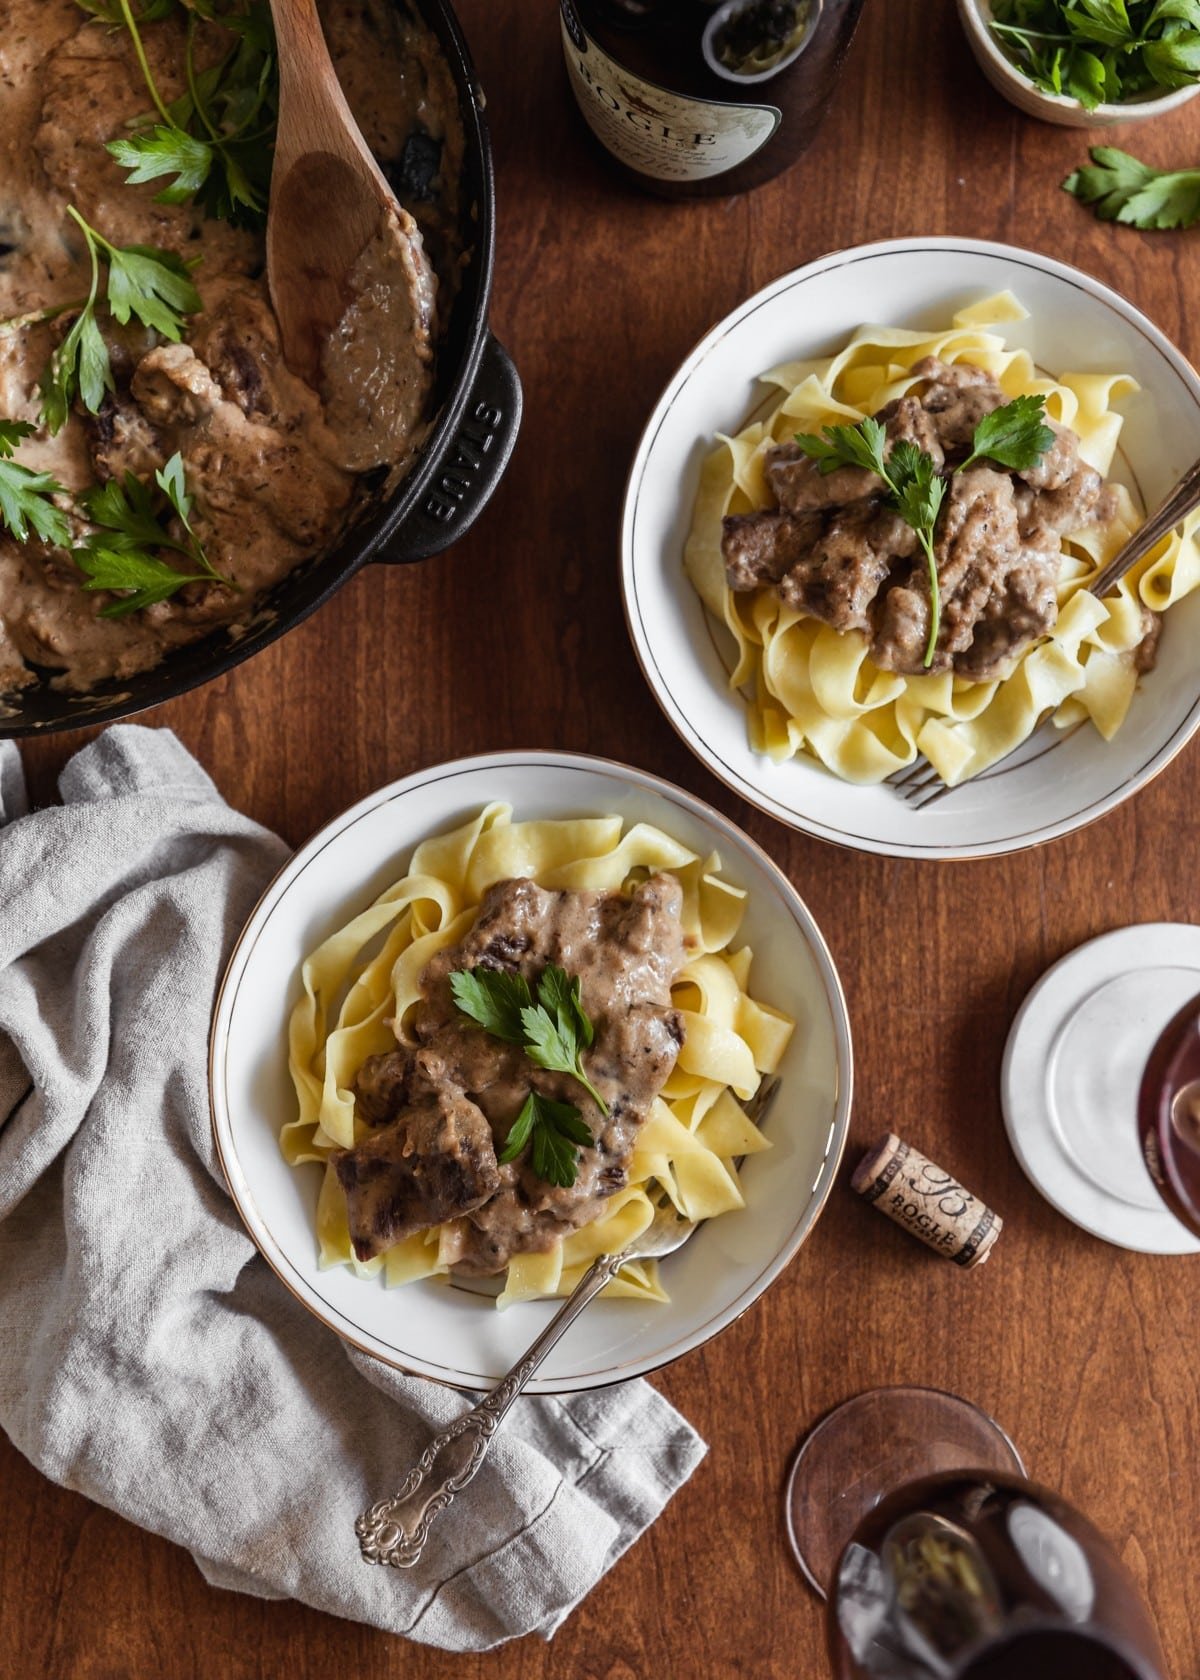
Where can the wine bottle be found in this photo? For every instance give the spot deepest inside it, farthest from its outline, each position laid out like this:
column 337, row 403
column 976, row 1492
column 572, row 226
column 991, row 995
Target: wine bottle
column 699, row 98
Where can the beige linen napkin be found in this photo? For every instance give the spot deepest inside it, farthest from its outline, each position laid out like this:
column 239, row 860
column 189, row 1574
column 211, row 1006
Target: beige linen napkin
column 148, row 1357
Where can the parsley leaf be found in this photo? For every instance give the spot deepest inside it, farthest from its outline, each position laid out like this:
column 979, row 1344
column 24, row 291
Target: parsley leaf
column 556, row 1041
column 11, row 433
column 1120, row 188
column 1174, row 61
column 847, row 446
column 142, row 578
column 79, row 366
column 109, row 11
column 494, row 998
column 25, row 503
column 556, row 1145
column 126, row 508
column 1101, row 50
column 1086, row 78
column 213, row 144
column 1104, row 22
column 919, row 487
column 142, row 280
column 1185, row 11
column 153, row 284
column 553, row 1033
column 557, row 1132
column 909, row 475
column 171, row 482
column 562, row 997
column 122, row 555
column 1015, row 436
column 163, row 150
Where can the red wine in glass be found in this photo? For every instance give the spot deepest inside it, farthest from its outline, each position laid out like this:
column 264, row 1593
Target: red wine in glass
column 971, row 1572
column 1169, row 1115
column 985, row 1577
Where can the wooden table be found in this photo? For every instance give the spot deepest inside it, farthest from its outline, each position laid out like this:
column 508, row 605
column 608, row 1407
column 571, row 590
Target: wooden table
column 1085, row 1353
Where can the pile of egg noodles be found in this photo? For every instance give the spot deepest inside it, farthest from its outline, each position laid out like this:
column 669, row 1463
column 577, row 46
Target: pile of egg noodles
column 812, row 689
column 361, row 983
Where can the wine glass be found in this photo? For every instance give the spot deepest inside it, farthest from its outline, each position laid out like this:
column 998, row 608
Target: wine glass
column 1169, row 1115
column 909, row 1510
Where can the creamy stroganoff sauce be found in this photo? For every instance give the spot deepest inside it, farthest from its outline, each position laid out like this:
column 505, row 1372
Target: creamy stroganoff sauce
column 441, row 1106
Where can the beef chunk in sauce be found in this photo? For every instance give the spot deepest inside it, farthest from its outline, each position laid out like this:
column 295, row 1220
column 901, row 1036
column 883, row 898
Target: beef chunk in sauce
column 381, row 1087
column 455, row 1079
column 839, row 579
column 434, row 1161
column 996, row 595
column 835, row 550
column 762, row 548
column 908, row 420
column 801, row 487
column 957, row 397
column 1146, row 652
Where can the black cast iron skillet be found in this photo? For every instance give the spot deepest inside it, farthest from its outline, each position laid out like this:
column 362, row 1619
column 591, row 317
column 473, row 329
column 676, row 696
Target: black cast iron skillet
column 478, row 400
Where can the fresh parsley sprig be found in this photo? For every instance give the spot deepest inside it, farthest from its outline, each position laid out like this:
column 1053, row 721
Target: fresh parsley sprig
column 1120, row 188
column 553, row 1033
column 33, row 317
column 494, row 999
column 123, row 553
column 558, row 1030
column 1101, row 50
column 910, row 476
column 109, row 11
column 144, row 281
column 25, row 503
column 79, row 366
column 1014, row 435
column 848, row 446
column 213, row 144
column 556, row 1131
column 919, row 490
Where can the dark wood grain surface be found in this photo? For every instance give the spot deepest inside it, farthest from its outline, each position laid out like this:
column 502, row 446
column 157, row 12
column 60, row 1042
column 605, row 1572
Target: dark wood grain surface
column 1085, row 1353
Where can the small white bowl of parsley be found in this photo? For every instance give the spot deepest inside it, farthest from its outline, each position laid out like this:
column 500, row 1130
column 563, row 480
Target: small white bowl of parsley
column 1087, row 63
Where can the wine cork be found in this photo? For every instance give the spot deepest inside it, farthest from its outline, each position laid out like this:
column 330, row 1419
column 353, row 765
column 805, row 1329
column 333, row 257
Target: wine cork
column 927, row 1201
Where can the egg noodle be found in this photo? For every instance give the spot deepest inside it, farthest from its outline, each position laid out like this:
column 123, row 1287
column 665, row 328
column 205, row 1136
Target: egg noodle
column 813, row 689
column 361, row 983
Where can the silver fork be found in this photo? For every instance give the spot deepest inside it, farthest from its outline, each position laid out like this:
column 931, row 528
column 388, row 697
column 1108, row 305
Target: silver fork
column 919, row 784
column 395, row 1530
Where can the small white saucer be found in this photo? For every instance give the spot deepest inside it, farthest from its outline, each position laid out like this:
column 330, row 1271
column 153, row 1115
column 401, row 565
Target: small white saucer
column 1072, row 1068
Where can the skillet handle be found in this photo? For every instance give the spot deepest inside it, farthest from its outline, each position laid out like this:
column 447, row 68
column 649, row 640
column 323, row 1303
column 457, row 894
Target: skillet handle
column 471, row 464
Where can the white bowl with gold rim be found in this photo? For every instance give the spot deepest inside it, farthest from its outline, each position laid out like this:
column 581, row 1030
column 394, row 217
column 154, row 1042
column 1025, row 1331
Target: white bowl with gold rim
column 455, row 1335
column 1075, row 324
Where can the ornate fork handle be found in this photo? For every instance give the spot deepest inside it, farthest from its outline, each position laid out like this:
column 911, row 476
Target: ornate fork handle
column 395, row 1530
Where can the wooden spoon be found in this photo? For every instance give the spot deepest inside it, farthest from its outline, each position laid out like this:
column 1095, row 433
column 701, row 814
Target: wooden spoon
column 329, row 197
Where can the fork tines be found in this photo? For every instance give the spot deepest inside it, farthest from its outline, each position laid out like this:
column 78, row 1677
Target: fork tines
column 918, row 784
